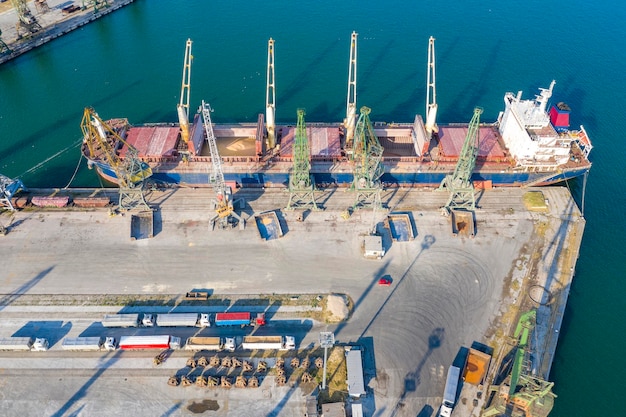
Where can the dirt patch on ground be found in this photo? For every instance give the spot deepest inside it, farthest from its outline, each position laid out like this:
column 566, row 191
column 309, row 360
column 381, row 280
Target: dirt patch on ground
column 202, row 406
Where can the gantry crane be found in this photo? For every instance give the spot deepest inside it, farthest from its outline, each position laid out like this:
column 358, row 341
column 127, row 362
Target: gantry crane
column 103, row 141
column 367, row 154
column 431, row 92
column 185, row 91
column 350, row 121
column 270, row 97
column 223, row 201
column 8, row 188
column 95, row 3
column 26, row 20
column 301, row 184
column 522, row 394
column 459, row 183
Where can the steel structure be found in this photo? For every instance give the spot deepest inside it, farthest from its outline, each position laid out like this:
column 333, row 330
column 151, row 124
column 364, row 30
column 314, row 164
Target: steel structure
column 367, row 154
column 4, row 48
column 131, row 172
column 185, row 91
column 459, row 183
column 95, row 3
column 270, row 97
column 431, row 92
column 524, row 395
column 350, row 121
column 301, row 184
column 26, row 20
column 8, row 188
column 223, row 201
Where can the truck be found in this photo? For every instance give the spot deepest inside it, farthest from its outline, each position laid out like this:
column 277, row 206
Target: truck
column 449, row 393
column 88, row 343
column 24, row 343
column 149, row 342
column 269, row 342
column 183, row 319
column 239, row 319
column 127, row 320
column 211, row 343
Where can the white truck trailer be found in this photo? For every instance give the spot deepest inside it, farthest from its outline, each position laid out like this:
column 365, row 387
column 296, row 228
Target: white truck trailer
column 182, row 320
column 24, row 343
column 88, row 343
column 127, row 320
column 211, row 343
column 268, row 342
column 449, row 393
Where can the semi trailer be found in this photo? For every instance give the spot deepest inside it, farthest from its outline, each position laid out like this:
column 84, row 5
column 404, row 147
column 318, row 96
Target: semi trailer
column 183, row 320
column 24, row 343
column 239, row 319
column 88, row 343
column 149, row 342
column 127, row 320
column 268, row 342
column 211, row 343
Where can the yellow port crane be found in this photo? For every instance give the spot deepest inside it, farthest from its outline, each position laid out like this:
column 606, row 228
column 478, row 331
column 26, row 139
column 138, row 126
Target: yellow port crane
column 26, row 20
column 103, row 143
column 185, row 91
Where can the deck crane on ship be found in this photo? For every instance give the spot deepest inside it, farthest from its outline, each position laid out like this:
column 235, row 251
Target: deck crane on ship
column 367, row 154
column 350, row 121
column 183, row 105
column 431, row 92
column 26, row 21
column 223, row 200
column 103, row 141
column 521, row 394
column 270, row 97
column 459, row 183
column 301, row 184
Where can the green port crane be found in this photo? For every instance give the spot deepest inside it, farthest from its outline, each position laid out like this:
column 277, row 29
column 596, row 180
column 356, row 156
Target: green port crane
column 367, row 154
column 524, row 395
column 97, row 4
column 301, row 183
column 26, row 20
column 103, row 143
column 223, row 200
column 459, row 183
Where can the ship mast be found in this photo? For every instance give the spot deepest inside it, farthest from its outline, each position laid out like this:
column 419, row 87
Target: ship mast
column 270, row 97
column 431, row 92
column 350, row 121
column 183, row 106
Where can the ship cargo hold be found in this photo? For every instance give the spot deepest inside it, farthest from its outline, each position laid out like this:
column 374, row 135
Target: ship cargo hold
column 530, row 144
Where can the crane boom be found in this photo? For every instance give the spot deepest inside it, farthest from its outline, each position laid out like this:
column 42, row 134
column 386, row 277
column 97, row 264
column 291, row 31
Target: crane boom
column 270, row 97
column 185, row 90
column 431, row 92
column 350, row 121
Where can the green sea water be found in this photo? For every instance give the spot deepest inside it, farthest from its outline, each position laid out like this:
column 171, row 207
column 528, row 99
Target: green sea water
column 129, row 64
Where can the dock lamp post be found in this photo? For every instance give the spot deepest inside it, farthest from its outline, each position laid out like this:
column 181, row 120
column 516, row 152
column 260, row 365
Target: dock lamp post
column 327, row 339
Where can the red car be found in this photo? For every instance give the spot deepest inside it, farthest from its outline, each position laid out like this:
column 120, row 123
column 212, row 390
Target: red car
column 384, row 282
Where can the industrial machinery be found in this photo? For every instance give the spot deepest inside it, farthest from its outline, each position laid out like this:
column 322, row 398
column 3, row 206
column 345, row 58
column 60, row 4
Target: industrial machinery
column 431, row 92
column 8, row 188
column 270, row 97
column 367, row 154
column 521, row 394
column 101, row 139
column 4, row 48
column 97, row 4
column 301, row 184
column 223, row 201
column 185, row 90
column 350, row 121
column 459, row 183
column 41, row 6
column 26, row 21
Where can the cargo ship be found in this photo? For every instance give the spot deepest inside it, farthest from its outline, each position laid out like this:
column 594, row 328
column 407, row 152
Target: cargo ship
column 528, row 145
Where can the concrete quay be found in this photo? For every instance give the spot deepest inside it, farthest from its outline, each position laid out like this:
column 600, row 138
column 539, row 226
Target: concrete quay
column 447, row 292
